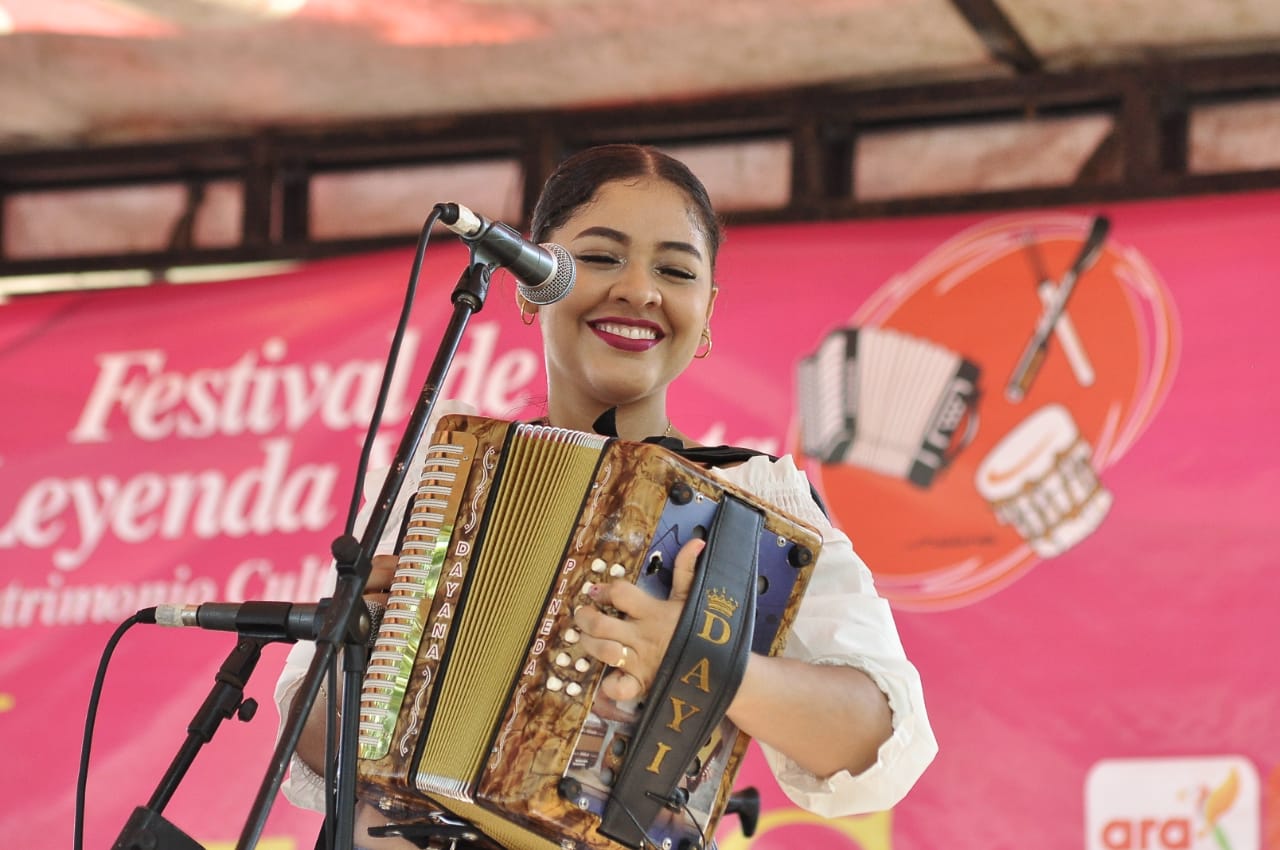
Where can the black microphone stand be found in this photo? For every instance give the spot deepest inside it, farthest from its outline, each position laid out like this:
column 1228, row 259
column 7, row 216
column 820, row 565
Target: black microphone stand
column 146, row 828
column 354, row 563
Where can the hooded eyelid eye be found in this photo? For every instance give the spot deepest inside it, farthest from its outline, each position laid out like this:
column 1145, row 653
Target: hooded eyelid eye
column 597, row 258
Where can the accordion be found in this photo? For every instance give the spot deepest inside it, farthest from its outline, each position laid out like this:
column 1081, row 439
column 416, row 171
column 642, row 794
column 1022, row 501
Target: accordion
column 479, row 705
column 886, row 401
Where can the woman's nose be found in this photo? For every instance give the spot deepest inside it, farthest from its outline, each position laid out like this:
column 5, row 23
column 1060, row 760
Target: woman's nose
column 636, row 285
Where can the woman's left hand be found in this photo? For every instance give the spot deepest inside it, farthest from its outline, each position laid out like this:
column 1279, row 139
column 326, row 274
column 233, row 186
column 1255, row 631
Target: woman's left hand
column 629, row 630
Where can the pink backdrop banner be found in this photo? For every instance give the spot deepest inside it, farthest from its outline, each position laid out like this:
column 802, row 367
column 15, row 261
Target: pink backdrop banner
column 1085, row 574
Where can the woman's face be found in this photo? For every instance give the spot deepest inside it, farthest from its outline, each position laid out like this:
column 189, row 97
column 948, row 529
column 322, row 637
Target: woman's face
column 643, row 295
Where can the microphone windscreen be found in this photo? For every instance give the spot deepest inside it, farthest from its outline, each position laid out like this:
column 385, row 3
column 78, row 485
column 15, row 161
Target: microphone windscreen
column 557, row 285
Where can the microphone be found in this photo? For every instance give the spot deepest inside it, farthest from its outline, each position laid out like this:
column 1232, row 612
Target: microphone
column 277, row 621
column 544, row 273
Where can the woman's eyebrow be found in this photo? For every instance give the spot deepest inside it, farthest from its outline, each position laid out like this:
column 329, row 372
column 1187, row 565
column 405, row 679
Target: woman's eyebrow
column 684, row 247
column 606, row 232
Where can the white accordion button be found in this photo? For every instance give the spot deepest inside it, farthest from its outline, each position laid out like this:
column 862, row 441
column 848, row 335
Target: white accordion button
column 586, row 587
column 617, row 571
column 582, row 665
column 573, row 689
column 598, row 565
column 563, row 659
column 571, row 636
column 554, row 684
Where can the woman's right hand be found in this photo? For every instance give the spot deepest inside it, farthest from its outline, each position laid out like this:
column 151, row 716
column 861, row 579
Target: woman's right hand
column 378, row 588
column 311, row 745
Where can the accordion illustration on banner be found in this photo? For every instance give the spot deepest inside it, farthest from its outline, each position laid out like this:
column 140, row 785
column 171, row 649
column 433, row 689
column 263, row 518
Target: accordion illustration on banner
column 886, row 401
column 479, row 705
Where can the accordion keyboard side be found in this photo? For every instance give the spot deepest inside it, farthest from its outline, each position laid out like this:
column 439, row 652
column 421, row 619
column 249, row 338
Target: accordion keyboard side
column 430, row 526
column 413, row 639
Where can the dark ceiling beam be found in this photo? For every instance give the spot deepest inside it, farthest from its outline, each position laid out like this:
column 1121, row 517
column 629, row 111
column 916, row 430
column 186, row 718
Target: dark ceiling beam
column 831, row 209
column 1146, row 155
column 1001, row 37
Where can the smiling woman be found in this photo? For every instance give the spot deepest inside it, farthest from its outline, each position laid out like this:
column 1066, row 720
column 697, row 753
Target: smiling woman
column 643, row 299
column 840, row 714
column 645, row 237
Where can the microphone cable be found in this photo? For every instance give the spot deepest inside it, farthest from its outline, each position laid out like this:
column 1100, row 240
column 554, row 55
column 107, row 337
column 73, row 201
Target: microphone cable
column 393, row 357
column 82, row 777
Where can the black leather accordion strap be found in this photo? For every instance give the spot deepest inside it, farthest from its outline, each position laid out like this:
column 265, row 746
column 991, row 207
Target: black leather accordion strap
column 697, row 678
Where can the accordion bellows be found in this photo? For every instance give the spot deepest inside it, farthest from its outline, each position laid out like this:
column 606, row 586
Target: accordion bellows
column 478, row 701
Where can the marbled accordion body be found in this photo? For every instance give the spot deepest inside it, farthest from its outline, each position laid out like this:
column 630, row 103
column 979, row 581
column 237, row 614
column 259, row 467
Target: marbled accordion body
column 479, row 700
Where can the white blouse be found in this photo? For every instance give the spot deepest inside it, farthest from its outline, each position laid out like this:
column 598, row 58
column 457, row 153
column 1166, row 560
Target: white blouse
column 842, row 620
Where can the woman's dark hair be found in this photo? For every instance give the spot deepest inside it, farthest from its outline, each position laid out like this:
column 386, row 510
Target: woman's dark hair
column 577, row 179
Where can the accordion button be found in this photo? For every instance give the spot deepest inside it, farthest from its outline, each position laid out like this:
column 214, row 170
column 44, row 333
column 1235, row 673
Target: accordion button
column 800, row 556
column 573, row 689
column 587, row 585
column 563, row 659
column 680, row 493
column 582, row 665
column 571, row 636
column 617, row 571
column 598, row 565
column 554, row 683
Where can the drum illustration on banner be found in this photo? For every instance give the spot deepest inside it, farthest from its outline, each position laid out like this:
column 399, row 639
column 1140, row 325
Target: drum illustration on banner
column 1039, row 479
column 960, row 423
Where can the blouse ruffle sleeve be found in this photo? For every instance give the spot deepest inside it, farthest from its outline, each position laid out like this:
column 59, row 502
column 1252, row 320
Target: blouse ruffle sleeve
column 842, row 620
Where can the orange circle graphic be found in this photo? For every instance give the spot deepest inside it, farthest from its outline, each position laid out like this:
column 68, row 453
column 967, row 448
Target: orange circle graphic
column 950, row 484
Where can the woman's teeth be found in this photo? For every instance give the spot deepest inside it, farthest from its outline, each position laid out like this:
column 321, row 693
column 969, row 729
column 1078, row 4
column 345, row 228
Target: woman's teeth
column 627, row 331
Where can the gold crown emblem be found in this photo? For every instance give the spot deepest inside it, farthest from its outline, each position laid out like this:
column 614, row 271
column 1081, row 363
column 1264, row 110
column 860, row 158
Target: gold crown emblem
column 721, row 602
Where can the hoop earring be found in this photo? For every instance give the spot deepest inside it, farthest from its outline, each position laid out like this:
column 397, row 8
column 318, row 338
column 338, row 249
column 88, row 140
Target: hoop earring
column 706, row 335
column 526, row 319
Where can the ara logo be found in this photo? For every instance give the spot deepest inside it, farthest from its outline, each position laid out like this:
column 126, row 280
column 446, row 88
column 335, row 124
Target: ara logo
column 1173, row 804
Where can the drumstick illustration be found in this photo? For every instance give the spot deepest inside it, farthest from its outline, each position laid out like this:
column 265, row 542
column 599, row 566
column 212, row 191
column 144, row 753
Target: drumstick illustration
column 1065, row 330
column 1033, row 355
